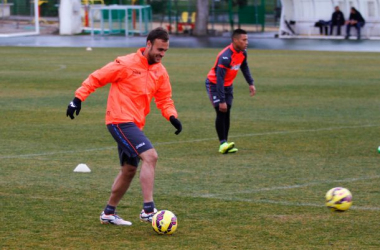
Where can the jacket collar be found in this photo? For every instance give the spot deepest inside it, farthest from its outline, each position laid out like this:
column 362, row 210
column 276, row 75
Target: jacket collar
column 234, row 50
column 142, row 58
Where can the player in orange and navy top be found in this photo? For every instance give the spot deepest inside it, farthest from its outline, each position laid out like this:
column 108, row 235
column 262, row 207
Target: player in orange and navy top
column 219, row 85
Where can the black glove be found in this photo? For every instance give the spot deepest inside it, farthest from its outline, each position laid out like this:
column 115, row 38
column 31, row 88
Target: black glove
column 75, row 105
column 177, row 124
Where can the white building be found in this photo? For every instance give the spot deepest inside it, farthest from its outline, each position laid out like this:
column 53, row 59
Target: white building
column 303, row 14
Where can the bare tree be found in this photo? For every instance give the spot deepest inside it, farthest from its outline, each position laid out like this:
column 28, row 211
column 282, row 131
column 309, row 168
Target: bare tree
column 201, row 20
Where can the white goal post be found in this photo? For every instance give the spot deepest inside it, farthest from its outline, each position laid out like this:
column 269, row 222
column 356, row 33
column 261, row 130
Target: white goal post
column 19, row 18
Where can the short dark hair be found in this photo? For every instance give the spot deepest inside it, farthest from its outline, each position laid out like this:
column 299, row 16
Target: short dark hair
column 158, row 33
column 238, row 32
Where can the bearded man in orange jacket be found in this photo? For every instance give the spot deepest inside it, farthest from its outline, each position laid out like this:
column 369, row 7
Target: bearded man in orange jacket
column 135, row 79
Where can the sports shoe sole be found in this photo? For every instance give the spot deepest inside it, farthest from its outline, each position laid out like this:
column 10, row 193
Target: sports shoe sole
column 108, row 222
column 232, row 150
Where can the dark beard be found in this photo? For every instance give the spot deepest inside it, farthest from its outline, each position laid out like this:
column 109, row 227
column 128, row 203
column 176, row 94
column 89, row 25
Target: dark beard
column 150, row 58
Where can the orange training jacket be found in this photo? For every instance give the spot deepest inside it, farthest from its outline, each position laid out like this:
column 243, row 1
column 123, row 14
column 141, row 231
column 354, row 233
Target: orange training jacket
column 133, row 85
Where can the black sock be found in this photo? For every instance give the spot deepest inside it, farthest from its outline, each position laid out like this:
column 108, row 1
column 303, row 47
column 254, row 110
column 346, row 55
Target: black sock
column 109, row 209
column 228, row 121
column 148, row 207
column 220, row 125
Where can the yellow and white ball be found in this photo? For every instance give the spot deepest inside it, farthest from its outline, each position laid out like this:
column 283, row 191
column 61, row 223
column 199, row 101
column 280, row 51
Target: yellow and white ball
column 164, row 222
column 338, row 199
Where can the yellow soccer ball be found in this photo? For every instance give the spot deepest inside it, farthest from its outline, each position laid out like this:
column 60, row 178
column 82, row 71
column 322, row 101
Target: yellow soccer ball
column 338, row 199
column 164, row 222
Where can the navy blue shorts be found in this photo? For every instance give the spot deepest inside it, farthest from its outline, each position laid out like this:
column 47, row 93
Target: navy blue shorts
column 131, row 142
column 213, row 94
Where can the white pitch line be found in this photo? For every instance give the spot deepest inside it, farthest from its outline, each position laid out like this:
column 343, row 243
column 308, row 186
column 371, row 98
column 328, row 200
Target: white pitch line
column 287, row 203
column 365, row 208
column 294, row 204
column 196, row 140
column 34, row 197
column 55, row 153
column 271, row 133
column 306, row 130
column 61, row 67
column 259, row 190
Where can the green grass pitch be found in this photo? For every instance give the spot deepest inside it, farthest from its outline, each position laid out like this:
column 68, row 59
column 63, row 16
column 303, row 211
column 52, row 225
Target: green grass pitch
column 313, row 125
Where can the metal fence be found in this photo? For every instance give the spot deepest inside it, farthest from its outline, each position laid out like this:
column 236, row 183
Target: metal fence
column 176, row 15
column 224, row 15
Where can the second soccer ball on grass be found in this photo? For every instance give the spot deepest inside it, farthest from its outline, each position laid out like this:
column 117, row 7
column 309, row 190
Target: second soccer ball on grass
column 338, row 199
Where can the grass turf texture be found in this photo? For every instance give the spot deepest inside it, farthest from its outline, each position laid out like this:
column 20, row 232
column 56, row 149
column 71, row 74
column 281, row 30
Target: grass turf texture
column 313, row 125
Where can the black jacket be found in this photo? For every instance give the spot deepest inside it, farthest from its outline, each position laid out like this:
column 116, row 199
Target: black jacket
column 357, row 16
column 337, row 18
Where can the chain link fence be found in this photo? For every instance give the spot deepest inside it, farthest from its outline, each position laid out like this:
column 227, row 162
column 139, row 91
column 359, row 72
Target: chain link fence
column 178, row 16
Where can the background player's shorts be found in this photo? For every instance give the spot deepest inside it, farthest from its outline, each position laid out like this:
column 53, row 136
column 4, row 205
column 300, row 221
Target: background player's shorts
column 131, row 142
column 213, row 94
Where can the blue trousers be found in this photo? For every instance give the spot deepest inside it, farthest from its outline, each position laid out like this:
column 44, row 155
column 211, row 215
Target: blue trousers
column 358, row 26
column 332, row 28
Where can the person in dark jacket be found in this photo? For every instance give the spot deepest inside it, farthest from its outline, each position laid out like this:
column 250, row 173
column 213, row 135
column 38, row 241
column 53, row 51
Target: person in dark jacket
column 337, row 19
column 356, row 20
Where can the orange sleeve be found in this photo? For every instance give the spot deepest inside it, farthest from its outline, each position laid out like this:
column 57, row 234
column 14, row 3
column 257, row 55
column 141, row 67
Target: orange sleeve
column 108, row 74
column 163, row 99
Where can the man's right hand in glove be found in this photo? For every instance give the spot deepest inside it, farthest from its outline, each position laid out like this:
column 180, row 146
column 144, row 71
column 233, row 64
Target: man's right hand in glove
column 176, row 123
column 74, row 106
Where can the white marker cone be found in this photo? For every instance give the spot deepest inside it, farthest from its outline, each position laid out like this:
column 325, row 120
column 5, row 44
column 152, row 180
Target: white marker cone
column 82, row 168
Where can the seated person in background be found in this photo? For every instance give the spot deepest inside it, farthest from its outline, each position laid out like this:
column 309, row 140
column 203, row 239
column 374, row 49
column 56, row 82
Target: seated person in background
column 337, row 19
column 355, row 20
column 323, row 25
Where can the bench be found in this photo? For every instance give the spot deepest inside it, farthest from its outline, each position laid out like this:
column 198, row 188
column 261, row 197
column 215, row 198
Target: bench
column 367, row 30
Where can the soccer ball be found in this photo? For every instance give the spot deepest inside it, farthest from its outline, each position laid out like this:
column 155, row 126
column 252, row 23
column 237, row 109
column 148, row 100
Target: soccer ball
column 164, row 222
column 338, row 199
